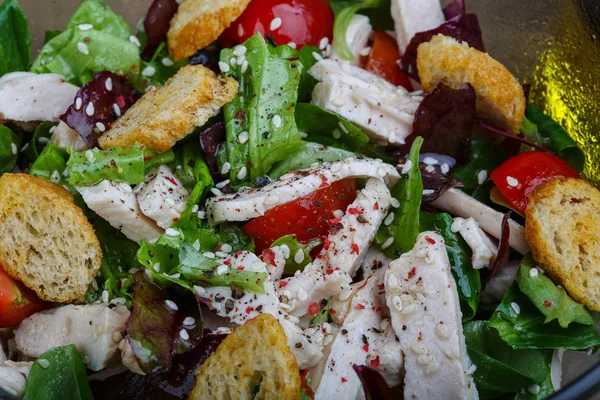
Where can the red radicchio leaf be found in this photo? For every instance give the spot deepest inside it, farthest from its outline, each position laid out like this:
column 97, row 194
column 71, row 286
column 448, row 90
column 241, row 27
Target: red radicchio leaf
column 433, row 176
column 156, row 25
column 445, row 119
column 510, row 136
column 153, row 328
column 210, row 140
column 464, row 28
column 208, row 57
column 97, row 104
column 454, row 9
column 375, row 386
column 501, row 258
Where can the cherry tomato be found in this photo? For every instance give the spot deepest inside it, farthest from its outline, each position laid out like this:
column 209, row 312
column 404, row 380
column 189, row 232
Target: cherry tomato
column 521, row 174
column 383, row 60
column 17, row 302
column 288, row 21
column 307, row 218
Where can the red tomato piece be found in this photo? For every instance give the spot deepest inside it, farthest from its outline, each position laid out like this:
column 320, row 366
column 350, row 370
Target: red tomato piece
column 383, row 60
column 521, row 174
column 307, row 217
column 17, row 302
column 303, row 22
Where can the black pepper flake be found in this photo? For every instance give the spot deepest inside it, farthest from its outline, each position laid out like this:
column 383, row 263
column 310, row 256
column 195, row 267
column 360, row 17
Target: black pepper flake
column 298, row 345
column 344, row 331
column 111, row 306
column 261, row 181
column 361, row 219
column 236, row 291
column 317, row 203
column 271, row 39
column 376, row 330
column 404, row 327
column 365, row 340
column 259, row 308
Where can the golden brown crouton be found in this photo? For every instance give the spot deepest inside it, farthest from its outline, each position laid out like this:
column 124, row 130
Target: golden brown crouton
column 255, row 355
column 198, row 23
column 563, row 229
column 46, row 241
column 500, row 98
column 169, row 113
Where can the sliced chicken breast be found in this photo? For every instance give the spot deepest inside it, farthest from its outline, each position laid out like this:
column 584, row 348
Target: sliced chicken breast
column 484, row 250
column 64, row 137
column 95, row 330
column 255, row 202
column 13, row 377
column 425, row 312
column 162, row 197
column 357, row 37
column 25, row 96
column 411, row 17
column 116, row 203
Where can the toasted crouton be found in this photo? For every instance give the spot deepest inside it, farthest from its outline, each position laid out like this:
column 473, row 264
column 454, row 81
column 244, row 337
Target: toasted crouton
column 500, row 98
column 165, row 115
column 46, row 241
column 198, row 23
column 255, row 356
column 562, row 227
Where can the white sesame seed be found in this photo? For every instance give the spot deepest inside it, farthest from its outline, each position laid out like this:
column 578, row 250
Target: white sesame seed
column 275, row 24
column 299, row 256
column 89, row 155
column 135, row 41
column 427, row 192
column 272, row 200
column 167, row 62
column 285, row 251
column 482, row 176
column 43, row 362
column 512, row 181
column 83, row 49
column 418, row 348
column 365, row 51
column 430, row 169
column 409, row 309
column 116, row 110
column 95, row 285
column 225, row 168
column 533, row 272
column 202, row 214
column 85, row 27
column 78, row 103
column 424, row 359
column 533, row 389
column 148, row 275
column 239, row 50
column 392, row 281
column 394, row 202
column 397, row 303
column 221, row 254
column 243, row 137
column 172, row 232
column 223, row 66
column 199, row 290
column 118, row 300
column 55, row 177
column 244, row 66
column 336, row 134
column 441, row 331
column 171, row 305
column 387, row 243
column 222, row 184
column 389, row 219
column 156, row 267
column 472, row 369
column 14, row 148
column 457, row 225
column 240, row 30
column 149, row 71
column 242, row 173
column 184, row 335
column 226, row 248
column 277, row 121
column 89, row 109
column 222, row 269
column 43, row 140
column 216, row 192
column 516, row 308
column 323, row 43
column 189, row 321
column 150, row 88
column 302, row 295
column 445, row 168
column 292, row 45
column 406, row 167
column 100, row 126
column 104, row 296
column 317, row 56
column 234, row 62
column 25, row 147
column 108, row 84
column 430, row 161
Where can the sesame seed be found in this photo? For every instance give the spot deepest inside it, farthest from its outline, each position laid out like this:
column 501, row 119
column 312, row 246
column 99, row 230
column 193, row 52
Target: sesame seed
column 343, row 127
column 156, row 267
column 457, row 225
column 216, row 192
column 387, row 243
column 445, row 168
column 89, row 155
column 85, row 27
column 189, row 321
column 317, row 56
column 201, row 214
column 285, row 251
column 418, row 348
column 83, row 49
column 336, row 134
column 328, row 339
column 149, row 71
column 78, row 103
column 221, row 254
column 240, row 30
column 171, row 305
column 14, row 148
column 208, row 254
column 430, row 161
column 389, row 219
column 533, row 389
column 135, row 41
column 277, row 121
column 406, row 167
column 243, row 137
column 234, row 62
column 239, row 50
column 222, row 184
column 394, row 202
column 427, row 192
column 25, row 147
column 533, row 272
column 55, row 177
column 292, row 45
column 275, row 24
column 104, row 296
column 392, row 281
column 516, row 308
column 118, row 300
column 222, row 269
column 172, row 232
column 148, row 275
column 89, row 109
column 482, row 177
column 101, row 127
column 472, row 369
column 116, row 110
column 299, row 256
column 242, row 173
column 95, row 285
column 430, row 169
column 225, row 168
column 167, row 62
column 199, row 290
column 108, row 84
column 365, row 51
column 272, row 200
column 397, row 303
column 323, row 43
column 441, row 331
column 226, row 248
column 244, row 66
column 302, row 295
column 184, row 335
column 512, row 181
column 150, row 88
column 224, row 67
column 43, row 362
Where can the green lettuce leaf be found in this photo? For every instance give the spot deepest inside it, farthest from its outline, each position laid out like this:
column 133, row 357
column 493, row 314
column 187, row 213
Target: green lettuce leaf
column 291, row 266
column 51, row 165
column 307, row 81
column 9, row 149
column 550, row 300
column 37, row 143
column 120, row 165
column 15, row 41
column 263, row 110
column 162, row 66
column 307, row 155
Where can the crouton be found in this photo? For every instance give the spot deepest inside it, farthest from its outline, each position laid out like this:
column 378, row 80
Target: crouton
column 168, row 114
column 198, row 23
column 255, row 358
column 46, row 241
column 500, row 98
column 562, row 220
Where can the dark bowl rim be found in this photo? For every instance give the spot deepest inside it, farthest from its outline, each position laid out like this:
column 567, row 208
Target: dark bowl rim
column 582, row 387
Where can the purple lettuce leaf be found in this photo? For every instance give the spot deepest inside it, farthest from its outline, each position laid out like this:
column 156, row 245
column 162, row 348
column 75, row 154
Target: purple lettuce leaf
column 464, row 28
column 154, row 328
column 510, row 136
column 98, row 104
column 375, row 386
column 435, row 183
column 210, row 140
column 501, row 258
column 454, row 9
column 156, row 25
column 445, row 120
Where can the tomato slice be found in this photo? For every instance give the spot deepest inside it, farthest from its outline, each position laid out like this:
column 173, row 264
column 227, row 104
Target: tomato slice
column 383, row 60
column 521, row 174
column 300, row 22
column 307, row 217
column 17, row 302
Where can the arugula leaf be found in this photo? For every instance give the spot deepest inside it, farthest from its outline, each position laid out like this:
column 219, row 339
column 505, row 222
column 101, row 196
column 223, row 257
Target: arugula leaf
column 316, row 121
column 307, row 81
column 153, row 160
column 38, row 141
column 467, row 278
column 58, row 374
column 527, row 330
column 307, row 155
column 500, row 369
column 404, row 229
column 15, row 41
column 550, row 300
column 263, row 110
column 50, row 164
column 9, row 149
column 231, row 234
column 291, row 266
column 120, row 165
column 163, row 66
column 560, row 141
column 107, row 46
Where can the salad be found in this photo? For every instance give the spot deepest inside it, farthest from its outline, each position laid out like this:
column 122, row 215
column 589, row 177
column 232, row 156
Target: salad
column 301, row 199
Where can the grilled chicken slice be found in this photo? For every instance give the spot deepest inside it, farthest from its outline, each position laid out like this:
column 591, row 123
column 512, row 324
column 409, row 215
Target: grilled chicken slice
column 116, row 203
column 64, row 137
column 484, row 250
column 94, row 329
column 412, row 17
column 425, row 312
column 13, row 377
